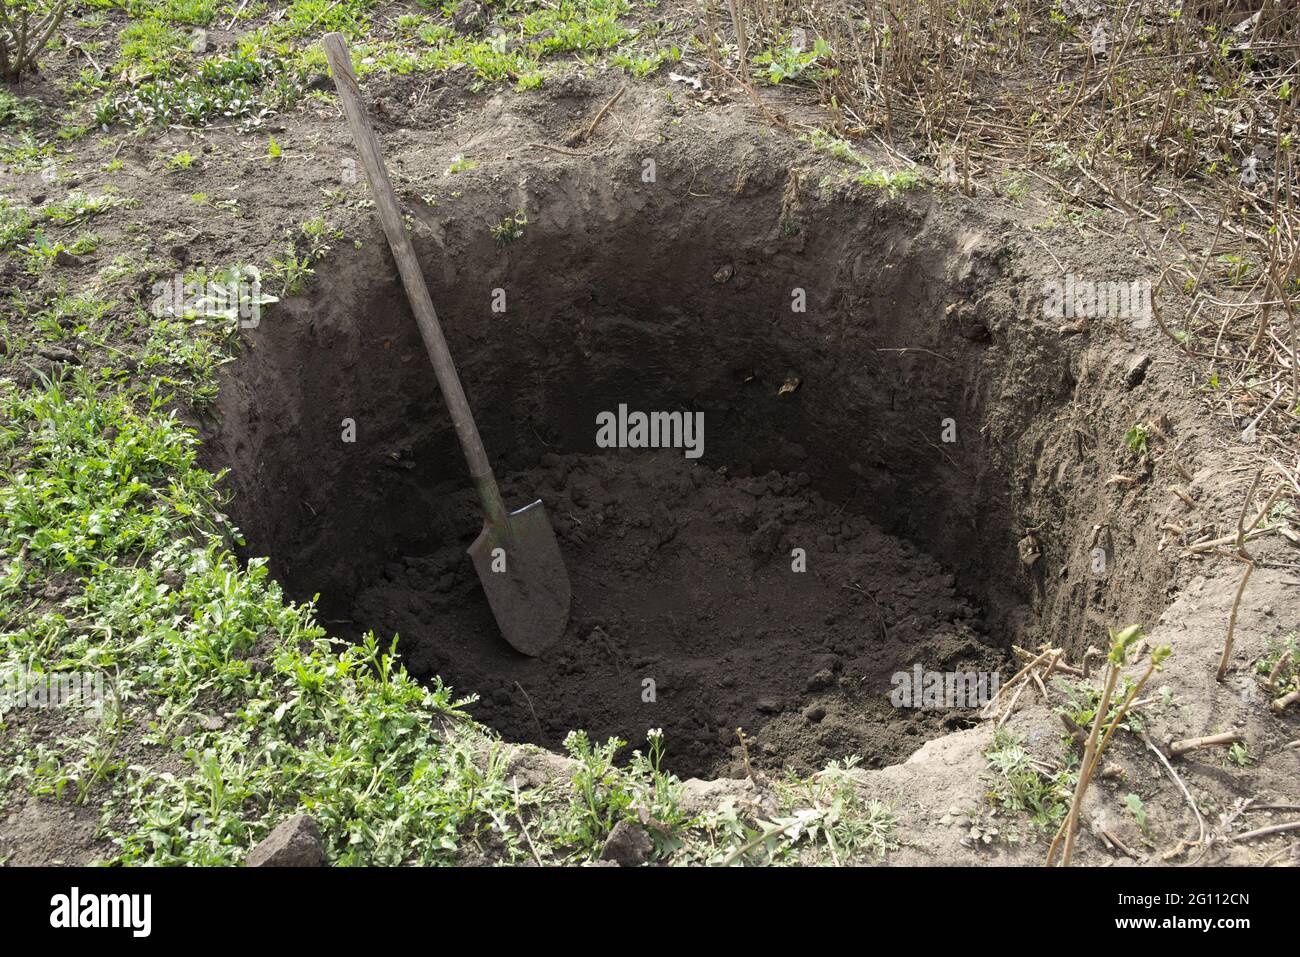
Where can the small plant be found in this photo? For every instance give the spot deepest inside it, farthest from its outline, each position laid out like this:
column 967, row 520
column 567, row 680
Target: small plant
column 273, row 150
column 1025, row 787
column 1103, row 726
column 644, row 65
column 1138, row 810
column 840, row 149
column 602, row 799
column 1136, row 438
column 790, row 62
column 1280, row 665
column 17, row 112
column 895, row 183
column 79, row 207
column 459, row 164
column 15, row 224
column 1238, row 755
column 243, row 86
column 868, row 175
column 822, row 810
column 21, row 40
column 292, row 268
column 510, row 229
column 40, row 252
column 181, row 161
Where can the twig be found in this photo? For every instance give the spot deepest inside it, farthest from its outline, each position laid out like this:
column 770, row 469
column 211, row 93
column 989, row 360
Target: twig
column 744, row 755
column 519, row 816
column 1179, row 748
column 540, row 734
column 601, row 115
column 1284, row 702
column 556, row 149
column 1200, row 822
column 237, row 15
column 1265, row 831
column 1282, row 662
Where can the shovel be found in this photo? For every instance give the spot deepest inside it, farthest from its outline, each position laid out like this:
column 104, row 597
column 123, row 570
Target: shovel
column 516, row 555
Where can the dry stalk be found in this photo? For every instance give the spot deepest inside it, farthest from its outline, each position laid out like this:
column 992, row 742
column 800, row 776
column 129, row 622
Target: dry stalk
column 1097, row 739
column 1228, row 738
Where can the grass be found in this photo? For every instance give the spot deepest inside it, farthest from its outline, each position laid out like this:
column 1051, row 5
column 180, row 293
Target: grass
column 1024, row 786
column 78, row 207
column 865, row 172
column 510, row 229
column 1282, row 657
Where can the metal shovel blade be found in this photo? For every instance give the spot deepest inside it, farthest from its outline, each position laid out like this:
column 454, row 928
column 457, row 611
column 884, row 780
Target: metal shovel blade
column 526, row 582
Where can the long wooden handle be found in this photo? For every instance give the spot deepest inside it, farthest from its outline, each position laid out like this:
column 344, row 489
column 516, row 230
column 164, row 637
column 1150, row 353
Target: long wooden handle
column 340, row 61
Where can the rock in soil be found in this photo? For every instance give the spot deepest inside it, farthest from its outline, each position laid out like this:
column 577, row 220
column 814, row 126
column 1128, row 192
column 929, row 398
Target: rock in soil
column 295, row 842
column 628, row 845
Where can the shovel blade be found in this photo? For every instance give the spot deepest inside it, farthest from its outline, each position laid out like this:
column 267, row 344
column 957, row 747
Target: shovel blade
column 525, row 581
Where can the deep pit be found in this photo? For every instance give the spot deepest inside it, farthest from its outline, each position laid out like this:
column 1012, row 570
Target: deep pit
column 824, row 432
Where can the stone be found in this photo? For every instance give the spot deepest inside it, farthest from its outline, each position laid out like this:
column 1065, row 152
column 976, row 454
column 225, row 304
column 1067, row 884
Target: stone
column 628, row 845
column 1137, row 370
column 814, row 713
column 295, row 842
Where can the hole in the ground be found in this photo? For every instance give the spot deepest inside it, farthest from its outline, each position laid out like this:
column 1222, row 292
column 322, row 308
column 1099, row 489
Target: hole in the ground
column 824, row 431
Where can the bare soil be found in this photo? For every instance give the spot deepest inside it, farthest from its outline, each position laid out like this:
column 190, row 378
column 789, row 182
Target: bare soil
column 824, row 431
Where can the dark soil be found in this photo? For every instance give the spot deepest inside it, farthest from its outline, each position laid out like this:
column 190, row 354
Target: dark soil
column 684, row 593
column 824, row 430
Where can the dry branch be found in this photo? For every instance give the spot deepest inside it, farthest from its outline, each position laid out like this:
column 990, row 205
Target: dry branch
column 1226, row 739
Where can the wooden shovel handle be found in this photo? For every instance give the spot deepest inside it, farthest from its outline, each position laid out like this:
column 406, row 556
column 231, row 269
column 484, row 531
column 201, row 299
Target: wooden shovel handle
column 390, row 215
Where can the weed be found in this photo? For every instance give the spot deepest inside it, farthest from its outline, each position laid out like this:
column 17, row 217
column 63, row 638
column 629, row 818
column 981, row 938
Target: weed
column 459, row 164
column 510, row 229
column 1139, row 812
column 1137, row 437
column 15, row 224
column 78, row 207
column 1281, row 663
column 790, row 62
column 180, row 161
column 1024, row 786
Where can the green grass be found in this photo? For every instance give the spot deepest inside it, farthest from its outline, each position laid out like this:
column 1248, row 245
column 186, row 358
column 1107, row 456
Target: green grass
column 78, row 207
column 1288, row 677
column 510, row 229
column 866, row 173
column 17, row 112
column 240, row 86
column 1022, row 786
column 15, row 224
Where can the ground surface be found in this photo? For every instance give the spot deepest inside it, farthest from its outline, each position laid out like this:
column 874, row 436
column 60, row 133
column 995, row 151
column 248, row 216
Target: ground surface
column 233, row 712
column 683, row 578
